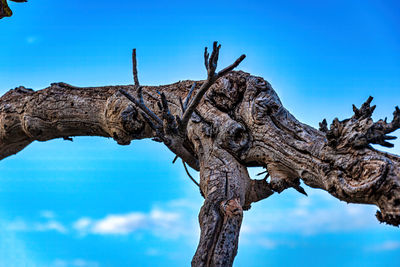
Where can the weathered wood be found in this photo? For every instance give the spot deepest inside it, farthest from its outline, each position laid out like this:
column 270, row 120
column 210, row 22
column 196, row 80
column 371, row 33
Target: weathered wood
column 240, row 122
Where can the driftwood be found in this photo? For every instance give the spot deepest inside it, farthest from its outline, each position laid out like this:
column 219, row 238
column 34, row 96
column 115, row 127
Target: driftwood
column 220, row 126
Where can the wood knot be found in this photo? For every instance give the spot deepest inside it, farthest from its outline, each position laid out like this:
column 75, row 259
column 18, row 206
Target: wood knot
column 122, row 122
column 235, row 138
column 266, row 103
column 231, row 207
column 227, row 92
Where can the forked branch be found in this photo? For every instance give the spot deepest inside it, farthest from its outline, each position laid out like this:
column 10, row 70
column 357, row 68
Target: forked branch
column 359, row 131
column 171, row 130
column 211, row 65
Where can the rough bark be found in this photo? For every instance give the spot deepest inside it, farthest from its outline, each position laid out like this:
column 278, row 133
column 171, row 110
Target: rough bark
column 240, row 122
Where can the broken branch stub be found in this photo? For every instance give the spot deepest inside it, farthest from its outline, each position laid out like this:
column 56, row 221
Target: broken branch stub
column 359, row 131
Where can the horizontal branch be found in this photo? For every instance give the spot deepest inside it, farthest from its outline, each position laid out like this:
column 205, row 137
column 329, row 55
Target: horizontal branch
column 338, row 160
column 242, row 115
column 237, row 123
column 63, row 110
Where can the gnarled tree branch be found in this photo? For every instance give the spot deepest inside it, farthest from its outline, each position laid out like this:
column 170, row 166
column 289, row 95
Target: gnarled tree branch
column 233, row 121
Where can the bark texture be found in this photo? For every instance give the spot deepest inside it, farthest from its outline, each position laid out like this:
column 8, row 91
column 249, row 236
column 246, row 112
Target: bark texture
column 240, row 122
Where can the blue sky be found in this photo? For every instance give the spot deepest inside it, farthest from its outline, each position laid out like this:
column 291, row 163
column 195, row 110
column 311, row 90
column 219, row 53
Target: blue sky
column 95, row 203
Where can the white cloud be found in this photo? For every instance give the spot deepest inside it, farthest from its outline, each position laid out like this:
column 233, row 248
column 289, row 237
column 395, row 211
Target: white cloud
column 13, row 250
column 164, row 219
column 20, row 225
column 153, row 252
column 160, row 222
column 317, row 214
column 156, row 220
column 298, row 215
column 50, row 226
column 341, row 218
column 48, row 214
column 82, row 224
column 17, row 225
column 120, row 224
column 183, row 203
column 74, row 263
column 31, row 39
column 267, row 243
column 386, row 246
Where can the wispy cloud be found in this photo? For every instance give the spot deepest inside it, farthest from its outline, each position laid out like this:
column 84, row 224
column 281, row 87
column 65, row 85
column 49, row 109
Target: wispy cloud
column 13, row 250
column 74, row 263
column 24, row 226
column 31, row 39
column 153, row 252
column 267, row 243
column 317, row 214
column 166, row 222
column 48, row 214
column 113, row 224
column 385, row 246
column 122, row 224
column 51, row 226
column 83, row 224
column 309, row 216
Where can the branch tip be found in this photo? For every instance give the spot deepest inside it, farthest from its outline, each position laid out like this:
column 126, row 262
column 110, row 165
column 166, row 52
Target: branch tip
column 359, row 131
column 211, row 65
column 134, row 68
column 172, row 130
column 323, row 126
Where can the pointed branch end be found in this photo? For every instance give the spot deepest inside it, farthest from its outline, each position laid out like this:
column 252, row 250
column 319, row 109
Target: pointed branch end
column 365, row 110
column 323, row 126
column 134, row 68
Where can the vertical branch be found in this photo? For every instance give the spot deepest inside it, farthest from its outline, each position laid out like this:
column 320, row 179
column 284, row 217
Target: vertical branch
column 172, row 129
column 210, row 63
column 134, row 68
column 224, row 182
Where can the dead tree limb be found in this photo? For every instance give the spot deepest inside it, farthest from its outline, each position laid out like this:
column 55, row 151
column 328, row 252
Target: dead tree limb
column 233, row 121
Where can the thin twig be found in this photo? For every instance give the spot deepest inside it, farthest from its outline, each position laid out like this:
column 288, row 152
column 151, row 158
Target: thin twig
column 211, row 65
column 148, row 120
column 206, row 55
column 231, row 67
column 258, row 174
column 193, row 104
column 182, row 106
column 188, row 97
column 187, row 172
column 169, row 129
column 142, row 107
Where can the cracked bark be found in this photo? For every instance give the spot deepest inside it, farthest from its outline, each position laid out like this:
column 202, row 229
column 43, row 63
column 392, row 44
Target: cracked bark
column 239, row 123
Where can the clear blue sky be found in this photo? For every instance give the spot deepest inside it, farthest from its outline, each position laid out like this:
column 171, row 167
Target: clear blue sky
column 95, row 203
